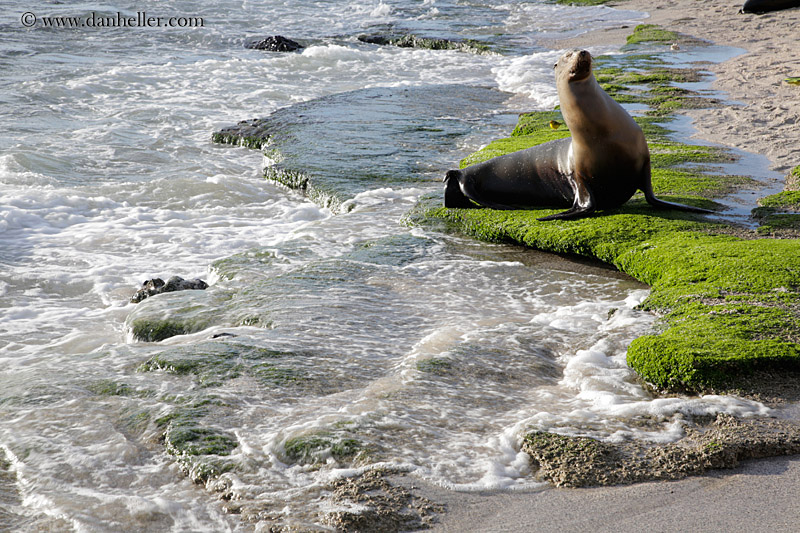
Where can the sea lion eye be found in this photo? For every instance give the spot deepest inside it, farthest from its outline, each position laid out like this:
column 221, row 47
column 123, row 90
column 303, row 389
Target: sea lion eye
column 555, row 65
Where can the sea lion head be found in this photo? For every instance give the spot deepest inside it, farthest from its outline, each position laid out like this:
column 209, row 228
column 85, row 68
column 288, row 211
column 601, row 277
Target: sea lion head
column 575, row 65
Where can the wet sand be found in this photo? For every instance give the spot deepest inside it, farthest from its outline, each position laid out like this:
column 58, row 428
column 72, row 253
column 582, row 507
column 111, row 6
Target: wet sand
column 758, row 496
column 762, row 116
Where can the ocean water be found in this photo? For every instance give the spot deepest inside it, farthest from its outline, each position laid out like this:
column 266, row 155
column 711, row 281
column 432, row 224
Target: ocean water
column 327, row 343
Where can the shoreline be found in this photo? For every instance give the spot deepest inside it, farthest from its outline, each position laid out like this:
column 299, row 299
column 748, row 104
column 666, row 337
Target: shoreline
column 756, row 496
column 760, row 116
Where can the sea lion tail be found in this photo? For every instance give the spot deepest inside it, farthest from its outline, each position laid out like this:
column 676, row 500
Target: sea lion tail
column 454, row 197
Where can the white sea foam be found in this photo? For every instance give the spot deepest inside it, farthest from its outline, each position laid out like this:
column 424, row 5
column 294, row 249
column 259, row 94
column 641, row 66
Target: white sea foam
column 531, row 76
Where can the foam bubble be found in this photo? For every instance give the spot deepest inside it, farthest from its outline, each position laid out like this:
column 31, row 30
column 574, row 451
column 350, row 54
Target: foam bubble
column 381, row 11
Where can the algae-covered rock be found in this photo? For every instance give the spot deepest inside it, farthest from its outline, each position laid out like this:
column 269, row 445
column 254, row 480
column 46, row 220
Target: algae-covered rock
column 199, row 449
column 317, row 447
column 174, row 313
column 427, row 43
column 651, row 82
column 212, row 363
column 434, row 365
column 155, row 330
column 583, row 461
column 793, row 179
column 371, row 138
column 779, row 214
column 651, row 33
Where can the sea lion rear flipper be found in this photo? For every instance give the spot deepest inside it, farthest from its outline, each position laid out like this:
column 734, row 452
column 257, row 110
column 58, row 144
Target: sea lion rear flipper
column 454, row 197
column 655, row 202
column 460, row 193
column 647, row 189
column 584, row 204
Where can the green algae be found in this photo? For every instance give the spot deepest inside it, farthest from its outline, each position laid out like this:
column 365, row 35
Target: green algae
column 779, row 214
column 174, row 313
column 188, row 439
column 651, row 33
column 538, row 124
column 782, row 200
column 670, row 181
column 154, row 330
column 653, row 87
column 270, row 374
column 793, row 179
column 434, row 365
column 254, row 142
column 670, row 154
column 108, row 387
column 316, row 447
column 212, row 364
column 198, row 450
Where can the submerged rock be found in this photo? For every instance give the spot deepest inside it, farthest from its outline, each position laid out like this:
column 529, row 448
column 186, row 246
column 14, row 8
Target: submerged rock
column 339, row 146
column 155, row 286
column 275, row 43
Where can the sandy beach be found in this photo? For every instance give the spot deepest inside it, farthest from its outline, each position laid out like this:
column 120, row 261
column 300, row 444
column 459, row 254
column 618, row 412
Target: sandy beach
column 760, row 115
column 763, row 112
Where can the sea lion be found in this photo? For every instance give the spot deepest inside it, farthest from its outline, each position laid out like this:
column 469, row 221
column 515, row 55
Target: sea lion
column 601, row 166
column 762, row 6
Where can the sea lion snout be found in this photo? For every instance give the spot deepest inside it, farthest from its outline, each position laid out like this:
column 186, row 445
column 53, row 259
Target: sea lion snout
column 575, row 64
column 581, row 64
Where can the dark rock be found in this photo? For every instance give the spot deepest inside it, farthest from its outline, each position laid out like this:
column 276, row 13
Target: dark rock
column 276, row 43
column 763, row 6
column 155, row 286
column 149, row 288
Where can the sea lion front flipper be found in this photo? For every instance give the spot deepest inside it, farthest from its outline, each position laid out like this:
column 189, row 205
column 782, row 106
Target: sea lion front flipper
column 584, row 203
